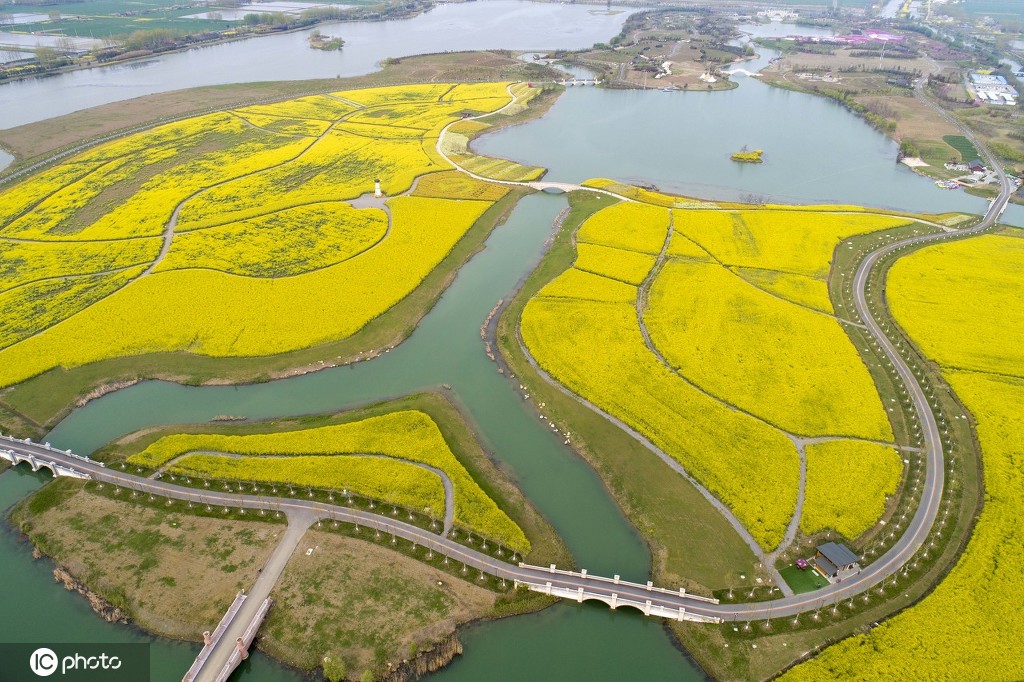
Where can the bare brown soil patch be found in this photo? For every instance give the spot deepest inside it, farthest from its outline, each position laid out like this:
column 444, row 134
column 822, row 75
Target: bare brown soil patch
column 366, row 604
column 174, row 573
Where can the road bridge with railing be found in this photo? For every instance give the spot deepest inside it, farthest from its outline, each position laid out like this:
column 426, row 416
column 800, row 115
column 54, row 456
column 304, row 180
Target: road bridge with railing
column 550, row 580
column 568, row 585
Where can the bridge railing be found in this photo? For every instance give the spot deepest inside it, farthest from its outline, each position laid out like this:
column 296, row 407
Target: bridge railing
column 648, row 607
column 47, row 446
column 618, row 581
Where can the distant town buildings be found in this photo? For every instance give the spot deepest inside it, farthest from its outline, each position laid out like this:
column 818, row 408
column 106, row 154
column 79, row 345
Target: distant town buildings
column 864, row 38
column 775, row 14
column 992, row 89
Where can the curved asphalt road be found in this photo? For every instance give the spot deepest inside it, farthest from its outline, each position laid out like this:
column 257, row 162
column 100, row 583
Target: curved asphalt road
column 904, row 549
column 446, row 481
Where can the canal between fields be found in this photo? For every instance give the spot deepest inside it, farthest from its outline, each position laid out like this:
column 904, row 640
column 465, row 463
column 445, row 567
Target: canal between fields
column 815, row 152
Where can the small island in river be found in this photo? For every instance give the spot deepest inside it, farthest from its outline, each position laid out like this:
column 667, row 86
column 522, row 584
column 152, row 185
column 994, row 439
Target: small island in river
column 744, row 156
column 318, row 41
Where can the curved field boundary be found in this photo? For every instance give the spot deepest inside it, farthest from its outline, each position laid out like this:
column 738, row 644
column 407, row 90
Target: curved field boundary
column 446, row 481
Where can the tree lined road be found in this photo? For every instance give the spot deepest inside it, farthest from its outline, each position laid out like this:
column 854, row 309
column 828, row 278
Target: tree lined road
column 886, row 566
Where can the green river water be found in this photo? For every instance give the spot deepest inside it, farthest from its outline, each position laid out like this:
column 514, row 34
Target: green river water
column 587, row 642
column 816, row 151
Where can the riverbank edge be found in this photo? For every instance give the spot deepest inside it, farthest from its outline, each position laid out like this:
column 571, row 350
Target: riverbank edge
column 559, row 407
column 451, row 419
column 455, row 427
column 703, row 645
column 415, row 12
column 62, row 390
column 440, row 653
column 984, row 192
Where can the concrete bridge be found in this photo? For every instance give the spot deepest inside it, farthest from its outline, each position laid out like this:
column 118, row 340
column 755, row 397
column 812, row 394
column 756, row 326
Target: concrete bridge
column 212, row 639
column 567, row 584
column 646, row 606
column 556, row 187
column 615, row 592
column 39, row 460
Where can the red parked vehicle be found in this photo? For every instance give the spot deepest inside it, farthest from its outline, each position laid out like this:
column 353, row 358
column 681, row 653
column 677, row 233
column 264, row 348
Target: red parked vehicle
column 802, row 564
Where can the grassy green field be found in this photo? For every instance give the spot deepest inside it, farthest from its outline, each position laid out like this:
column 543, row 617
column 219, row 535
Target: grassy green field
column 802, row 580
column 968, row 152
column 113, row 27
column 369, row 584
column 174, row 571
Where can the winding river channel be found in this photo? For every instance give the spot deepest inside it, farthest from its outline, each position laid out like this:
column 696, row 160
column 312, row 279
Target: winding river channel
column 815, row 150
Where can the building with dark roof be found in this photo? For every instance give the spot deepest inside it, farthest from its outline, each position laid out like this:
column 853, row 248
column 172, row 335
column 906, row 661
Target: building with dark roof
column 833, row 558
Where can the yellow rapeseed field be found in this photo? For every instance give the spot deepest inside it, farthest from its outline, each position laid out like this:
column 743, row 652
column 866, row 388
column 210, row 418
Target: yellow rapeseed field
column 788, row 365
column 628, row 266
column 848, row 483
column 299, row 127
column 799, row 242
column 975, row 285
column 577, row 284
column 389, row 480
column 31, row 309
column 340, row 166
column 956, row 301
column 321, row 107
column 26, row 262
column 647, row 196
column 456, row 185
column 407, row 435
column 55, row 211
column 289, row 242
column 148, row 211
column 800, row 289
column 386, row 96
column 740, row 313
column 81, row 211
column 632, row 226
column 468, row 127
column 24, row 196
column 596, row 349
column 681, row 245
column 265, row 255
column 250, row 316
column 498, row 169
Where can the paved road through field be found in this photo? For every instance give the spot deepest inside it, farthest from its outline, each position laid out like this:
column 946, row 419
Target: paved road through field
column 904, row 549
